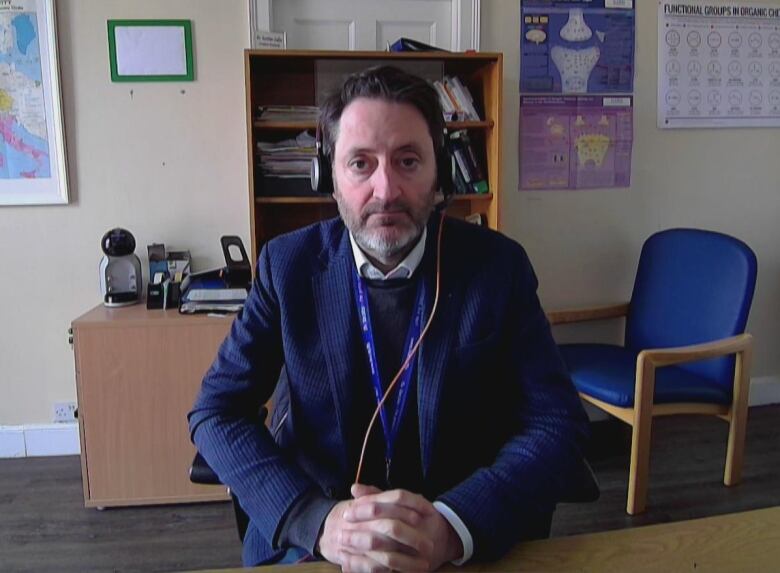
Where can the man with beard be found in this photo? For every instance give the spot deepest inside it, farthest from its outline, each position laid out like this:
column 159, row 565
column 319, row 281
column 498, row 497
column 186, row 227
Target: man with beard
column 481, row 431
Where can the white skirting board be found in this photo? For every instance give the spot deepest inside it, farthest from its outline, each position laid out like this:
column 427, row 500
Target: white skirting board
column 63, row 439
column 39, row 440
column 764, row 390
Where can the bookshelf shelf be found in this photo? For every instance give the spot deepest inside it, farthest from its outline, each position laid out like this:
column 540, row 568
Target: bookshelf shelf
column 294, row 200
column 285, row 125
column 329, row 200
column 473, row 197
column 453, row 125
column 302, row 125
column 293, row 78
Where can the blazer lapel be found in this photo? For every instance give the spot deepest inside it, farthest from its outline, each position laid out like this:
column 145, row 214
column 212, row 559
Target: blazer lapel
column 337, row 325
column 436, row 347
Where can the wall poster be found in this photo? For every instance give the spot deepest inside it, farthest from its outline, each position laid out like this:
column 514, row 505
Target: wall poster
column 576, row 84
column 577, row 46
column 32, row 141
column 575, row 142
column 718, row 64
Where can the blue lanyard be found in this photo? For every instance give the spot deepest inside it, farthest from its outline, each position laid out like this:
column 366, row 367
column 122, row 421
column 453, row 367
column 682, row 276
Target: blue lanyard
column 390, row 430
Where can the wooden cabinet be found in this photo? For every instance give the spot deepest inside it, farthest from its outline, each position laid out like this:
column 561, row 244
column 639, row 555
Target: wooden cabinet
column 290, row 77
column 137, row 374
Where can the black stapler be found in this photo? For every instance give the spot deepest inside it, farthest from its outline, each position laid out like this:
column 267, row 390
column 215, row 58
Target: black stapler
column 237, row 272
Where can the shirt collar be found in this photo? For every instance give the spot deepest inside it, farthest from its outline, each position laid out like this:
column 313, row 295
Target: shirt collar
column 405, row 268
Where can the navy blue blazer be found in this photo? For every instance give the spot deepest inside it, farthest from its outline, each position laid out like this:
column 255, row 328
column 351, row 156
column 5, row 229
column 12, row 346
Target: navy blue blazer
column 501, row 426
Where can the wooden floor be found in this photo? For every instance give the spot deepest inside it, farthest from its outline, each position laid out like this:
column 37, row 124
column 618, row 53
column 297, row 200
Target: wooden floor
column 44, row 526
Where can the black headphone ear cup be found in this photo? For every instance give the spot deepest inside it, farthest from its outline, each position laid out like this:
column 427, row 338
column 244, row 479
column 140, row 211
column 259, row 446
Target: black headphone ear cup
column 320, row 176
column 321, row 173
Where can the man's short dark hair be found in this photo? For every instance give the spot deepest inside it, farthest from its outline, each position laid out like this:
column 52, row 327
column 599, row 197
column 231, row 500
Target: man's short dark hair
column 386, row 83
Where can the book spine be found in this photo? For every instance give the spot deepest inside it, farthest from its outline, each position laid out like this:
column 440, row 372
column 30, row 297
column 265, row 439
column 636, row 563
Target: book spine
column 459, row 183
column 446, row 103
column 461, row 159
column 478, row 174
column 448, row 88
column 476, row 179
column 464, row 95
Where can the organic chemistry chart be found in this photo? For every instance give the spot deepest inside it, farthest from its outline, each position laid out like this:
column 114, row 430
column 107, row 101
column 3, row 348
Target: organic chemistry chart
column 718, row 65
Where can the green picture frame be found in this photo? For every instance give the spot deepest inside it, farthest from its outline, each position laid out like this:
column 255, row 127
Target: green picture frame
column 160, row 59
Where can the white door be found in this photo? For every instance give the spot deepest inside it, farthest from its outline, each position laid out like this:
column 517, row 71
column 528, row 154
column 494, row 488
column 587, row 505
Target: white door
column 369, row 24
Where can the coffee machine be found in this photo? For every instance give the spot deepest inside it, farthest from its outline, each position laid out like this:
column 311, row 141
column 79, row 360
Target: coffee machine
column 120, row 270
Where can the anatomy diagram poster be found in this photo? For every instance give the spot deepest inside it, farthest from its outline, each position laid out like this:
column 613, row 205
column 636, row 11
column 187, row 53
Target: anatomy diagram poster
column 577, row 46
column 718, row 64
column 575, row 142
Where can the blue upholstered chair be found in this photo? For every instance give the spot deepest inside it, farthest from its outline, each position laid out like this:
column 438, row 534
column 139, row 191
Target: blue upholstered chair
column 686, row 351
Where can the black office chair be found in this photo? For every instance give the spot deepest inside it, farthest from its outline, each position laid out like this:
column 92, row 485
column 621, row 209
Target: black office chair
column 587, row 489
column 201, row 473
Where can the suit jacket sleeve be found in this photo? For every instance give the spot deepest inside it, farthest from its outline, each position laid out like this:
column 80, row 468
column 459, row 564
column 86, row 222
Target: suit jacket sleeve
column 548, row 428
column 227, row 429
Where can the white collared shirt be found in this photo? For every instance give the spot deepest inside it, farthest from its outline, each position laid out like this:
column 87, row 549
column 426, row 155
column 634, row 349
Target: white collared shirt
column 404, row 270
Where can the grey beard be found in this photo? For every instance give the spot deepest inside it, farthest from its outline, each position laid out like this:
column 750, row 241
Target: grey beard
column 381, row 248
column 372, row 243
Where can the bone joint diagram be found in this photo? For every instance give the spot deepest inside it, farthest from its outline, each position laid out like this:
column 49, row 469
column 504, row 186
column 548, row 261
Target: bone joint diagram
column 575, row 66
column 576, row 29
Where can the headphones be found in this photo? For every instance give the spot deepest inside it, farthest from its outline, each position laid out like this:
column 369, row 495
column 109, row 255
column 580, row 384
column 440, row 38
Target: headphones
column 321, row 173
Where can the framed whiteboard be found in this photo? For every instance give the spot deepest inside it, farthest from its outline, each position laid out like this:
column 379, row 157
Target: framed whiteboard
column 150, row 50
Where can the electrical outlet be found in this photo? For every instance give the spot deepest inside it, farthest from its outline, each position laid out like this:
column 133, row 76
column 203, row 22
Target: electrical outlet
column 64, row 412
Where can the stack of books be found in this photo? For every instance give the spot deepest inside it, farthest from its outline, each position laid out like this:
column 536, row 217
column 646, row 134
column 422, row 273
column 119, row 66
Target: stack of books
column 288, row 159
column 468, row 175
column 456, row 100
column 213, row 300
column 302, row 113
column 208, row 291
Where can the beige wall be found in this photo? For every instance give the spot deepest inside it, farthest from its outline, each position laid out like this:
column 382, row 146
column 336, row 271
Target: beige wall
column 585, row 244
column 171, row 167
column 165, row 160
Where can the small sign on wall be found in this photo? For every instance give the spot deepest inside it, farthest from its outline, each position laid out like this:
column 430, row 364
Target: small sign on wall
column 270, row 40
column 150, row 50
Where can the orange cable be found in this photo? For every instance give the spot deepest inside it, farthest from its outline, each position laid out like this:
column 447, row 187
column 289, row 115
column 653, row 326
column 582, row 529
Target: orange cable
column 411, row 354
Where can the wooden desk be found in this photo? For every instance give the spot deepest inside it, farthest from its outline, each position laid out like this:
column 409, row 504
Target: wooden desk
column 748, row 541
column 137, row 374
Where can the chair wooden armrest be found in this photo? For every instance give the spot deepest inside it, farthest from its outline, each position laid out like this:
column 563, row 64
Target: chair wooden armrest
column 586, row 314
column 668, row 356
column 644, row 408
column 649, row 360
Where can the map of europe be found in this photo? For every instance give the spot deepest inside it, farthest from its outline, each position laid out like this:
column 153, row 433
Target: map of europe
column 24, row 144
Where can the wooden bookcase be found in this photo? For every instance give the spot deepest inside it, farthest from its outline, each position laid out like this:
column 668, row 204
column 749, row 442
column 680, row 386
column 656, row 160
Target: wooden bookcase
column 292, row 77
